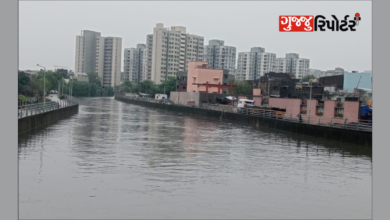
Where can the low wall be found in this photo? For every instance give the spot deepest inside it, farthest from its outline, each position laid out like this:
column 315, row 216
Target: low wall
column 185, row 97
column 338, row 134
column 34, row 121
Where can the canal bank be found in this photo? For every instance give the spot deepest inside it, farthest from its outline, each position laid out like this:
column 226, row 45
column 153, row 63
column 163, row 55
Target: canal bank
column 34, row 121
column 339, row 134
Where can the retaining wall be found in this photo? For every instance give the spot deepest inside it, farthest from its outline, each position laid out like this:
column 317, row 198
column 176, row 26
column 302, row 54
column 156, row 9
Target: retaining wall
column 34, row 121
column 338, row 134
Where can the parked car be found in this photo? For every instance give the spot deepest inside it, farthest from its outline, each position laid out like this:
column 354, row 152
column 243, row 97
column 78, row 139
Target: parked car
column 245, row 103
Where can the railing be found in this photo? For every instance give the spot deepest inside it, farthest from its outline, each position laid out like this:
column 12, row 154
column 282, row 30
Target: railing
column 338, row 122
column 38, row 108
column 169, row 102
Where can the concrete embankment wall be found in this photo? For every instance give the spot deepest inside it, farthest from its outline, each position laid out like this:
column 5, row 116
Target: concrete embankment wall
column 338, row 134
column 34, row 121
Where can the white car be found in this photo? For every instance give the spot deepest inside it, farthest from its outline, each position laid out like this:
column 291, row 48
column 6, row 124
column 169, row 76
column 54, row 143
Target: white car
column 244, row 103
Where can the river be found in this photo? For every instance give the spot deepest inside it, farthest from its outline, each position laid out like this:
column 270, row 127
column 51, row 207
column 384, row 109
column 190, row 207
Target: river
column 116, row 160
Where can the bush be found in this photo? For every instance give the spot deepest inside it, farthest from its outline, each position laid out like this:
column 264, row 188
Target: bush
column 22, row 98
column 61, row 96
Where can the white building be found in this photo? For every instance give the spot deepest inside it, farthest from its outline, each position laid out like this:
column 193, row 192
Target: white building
column 134, row 63
column 317, row 73
column 85, row 59
column 267, row 63
column 251, row 65
column 147, row 60
column 299, row 67
column 172, row 50
column 337, row 71
column 108, row 60
column 220, row 56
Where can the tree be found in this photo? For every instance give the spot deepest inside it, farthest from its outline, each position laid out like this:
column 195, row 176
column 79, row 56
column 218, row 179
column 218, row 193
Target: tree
column 308, row 77
column 93, row 89
column 107, row 91
column 93, row 77
column 43, row 83
column 23, row 82
column 80, row 89
column 33, row 89
column 127, row 86
column 241, row 87
column 147, row 86
column 168, row 86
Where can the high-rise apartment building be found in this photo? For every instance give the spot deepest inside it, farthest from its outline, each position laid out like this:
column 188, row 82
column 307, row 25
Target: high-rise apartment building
column 267, row 63
column 85, row 61
column 147, row 68
column 134, row 63
column 219, row 56
column 299, row 67
column 108, row 60
column 251, row 65
column 171, row 51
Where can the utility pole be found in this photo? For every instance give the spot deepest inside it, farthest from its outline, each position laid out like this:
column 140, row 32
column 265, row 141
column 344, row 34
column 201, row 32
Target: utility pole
column 269, row 81
column 310, row 97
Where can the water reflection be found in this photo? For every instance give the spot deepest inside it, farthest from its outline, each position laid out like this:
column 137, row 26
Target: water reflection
column 122, row 160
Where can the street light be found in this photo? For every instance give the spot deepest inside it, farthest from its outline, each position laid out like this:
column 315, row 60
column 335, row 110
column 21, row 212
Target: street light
column 44, row 82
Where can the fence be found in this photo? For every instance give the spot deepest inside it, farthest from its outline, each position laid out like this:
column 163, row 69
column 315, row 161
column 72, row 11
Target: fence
column 345, row 123
column 38, row 108
column 338, row 122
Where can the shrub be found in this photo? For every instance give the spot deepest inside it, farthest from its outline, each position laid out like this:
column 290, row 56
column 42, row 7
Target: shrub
column 22, row 98
column 62, row 97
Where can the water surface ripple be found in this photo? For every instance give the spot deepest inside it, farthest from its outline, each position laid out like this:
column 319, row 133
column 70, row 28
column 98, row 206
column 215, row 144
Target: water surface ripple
column 115, row 160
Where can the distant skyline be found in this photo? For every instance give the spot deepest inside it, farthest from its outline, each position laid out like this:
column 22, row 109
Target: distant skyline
column 48, row 30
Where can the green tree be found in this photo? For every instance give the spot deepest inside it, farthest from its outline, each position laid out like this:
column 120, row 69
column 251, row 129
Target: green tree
column 80, row 89
column 33, row 89
column 147, row 86
column 308, row 77
column 93, row 89
column 241, row 87
column 168, row 86
column 93, row 78
column 23, row 82
column 43, row 83
column 127, row 86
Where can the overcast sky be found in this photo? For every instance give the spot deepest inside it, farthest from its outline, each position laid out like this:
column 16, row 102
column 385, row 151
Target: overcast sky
column 47, row 30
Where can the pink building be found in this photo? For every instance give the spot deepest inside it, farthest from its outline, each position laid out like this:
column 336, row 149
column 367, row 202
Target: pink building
column 290, row 105
column 201, row 79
